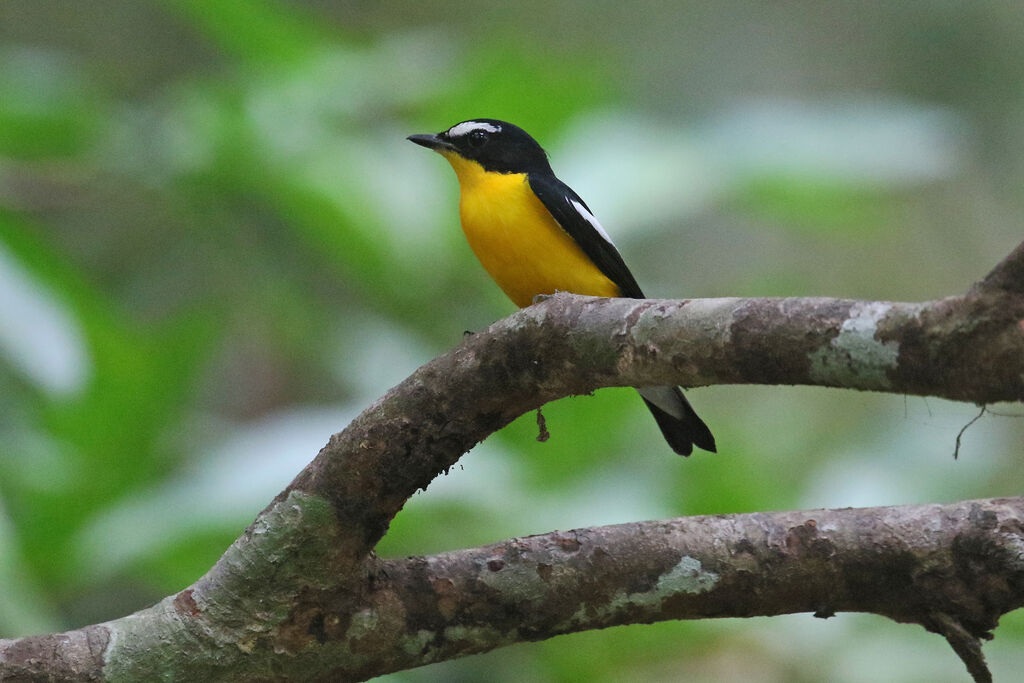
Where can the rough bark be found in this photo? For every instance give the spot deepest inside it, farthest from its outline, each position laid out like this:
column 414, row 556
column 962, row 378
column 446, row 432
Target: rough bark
column 301, row 596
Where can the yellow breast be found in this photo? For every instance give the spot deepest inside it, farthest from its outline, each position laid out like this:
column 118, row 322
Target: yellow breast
column 517, row 241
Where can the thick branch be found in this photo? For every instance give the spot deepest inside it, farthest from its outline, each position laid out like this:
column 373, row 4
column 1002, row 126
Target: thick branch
column 950, row 568
column 915, row 564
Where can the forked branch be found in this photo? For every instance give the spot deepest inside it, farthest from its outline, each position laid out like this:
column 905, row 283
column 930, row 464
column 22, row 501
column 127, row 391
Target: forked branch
column 300, row 595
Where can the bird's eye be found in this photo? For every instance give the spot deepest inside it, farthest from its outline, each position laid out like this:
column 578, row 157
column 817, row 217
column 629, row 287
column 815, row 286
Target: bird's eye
column 476, row 138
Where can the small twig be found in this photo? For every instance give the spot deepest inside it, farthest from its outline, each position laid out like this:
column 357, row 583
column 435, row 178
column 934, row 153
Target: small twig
column 1008, row 275
column 966, row 646
column 956, row 451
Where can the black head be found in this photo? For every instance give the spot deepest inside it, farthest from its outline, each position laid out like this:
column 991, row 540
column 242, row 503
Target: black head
column 496, row 145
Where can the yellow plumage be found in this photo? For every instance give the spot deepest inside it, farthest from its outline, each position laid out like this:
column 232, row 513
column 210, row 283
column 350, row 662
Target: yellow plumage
column 516, row 239
column 510, row 199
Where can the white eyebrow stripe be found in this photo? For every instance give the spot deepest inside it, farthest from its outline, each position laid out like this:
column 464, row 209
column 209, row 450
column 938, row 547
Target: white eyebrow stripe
column 590, row 218
column 467, row 127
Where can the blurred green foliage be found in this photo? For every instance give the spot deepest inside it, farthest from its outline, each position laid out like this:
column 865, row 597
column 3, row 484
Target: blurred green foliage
column 216, row 248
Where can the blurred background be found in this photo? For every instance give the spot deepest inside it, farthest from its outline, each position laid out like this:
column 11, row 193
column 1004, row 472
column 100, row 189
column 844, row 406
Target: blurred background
column 216, row 248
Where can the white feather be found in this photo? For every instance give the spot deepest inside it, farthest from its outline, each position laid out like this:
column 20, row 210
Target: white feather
column 590, row 218
column 665, row 398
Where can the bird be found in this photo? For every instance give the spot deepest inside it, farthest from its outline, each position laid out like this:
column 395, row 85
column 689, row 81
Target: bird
column 535, row 236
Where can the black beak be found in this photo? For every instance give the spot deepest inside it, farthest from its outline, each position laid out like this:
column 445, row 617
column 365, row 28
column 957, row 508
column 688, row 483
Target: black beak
column 430, row 141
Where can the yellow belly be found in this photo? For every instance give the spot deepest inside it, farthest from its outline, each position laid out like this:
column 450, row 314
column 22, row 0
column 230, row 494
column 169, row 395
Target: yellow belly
column 518, row 242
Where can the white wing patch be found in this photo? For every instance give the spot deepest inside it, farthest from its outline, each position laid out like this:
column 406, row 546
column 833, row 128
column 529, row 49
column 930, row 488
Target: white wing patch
column 590, row 218
column 467, row 127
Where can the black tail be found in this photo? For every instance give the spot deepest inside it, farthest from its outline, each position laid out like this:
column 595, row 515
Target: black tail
column 679, row 424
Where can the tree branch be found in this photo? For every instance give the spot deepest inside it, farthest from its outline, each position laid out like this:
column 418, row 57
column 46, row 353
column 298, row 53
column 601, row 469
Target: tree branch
column 953, row 569
column 967, row 348
column 300, row 595
column 915, row 564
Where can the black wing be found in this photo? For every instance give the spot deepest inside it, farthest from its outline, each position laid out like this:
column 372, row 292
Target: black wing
column 681, row 426
column 558, row 198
